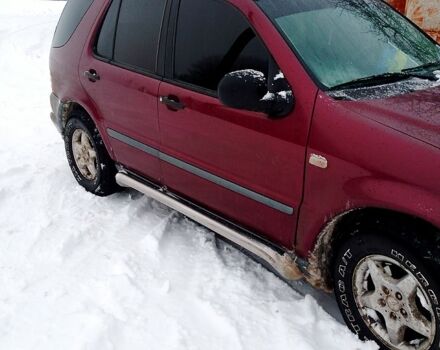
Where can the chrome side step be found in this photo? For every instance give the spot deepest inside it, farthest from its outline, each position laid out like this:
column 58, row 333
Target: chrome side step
column 285, row 264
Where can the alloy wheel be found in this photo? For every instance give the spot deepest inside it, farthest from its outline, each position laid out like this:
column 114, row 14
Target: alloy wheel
column 393, row 304
column 84, row 154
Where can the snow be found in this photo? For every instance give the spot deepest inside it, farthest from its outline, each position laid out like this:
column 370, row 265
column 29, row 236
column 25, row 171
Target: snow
column 279, row 76
column 270, row 96
column 279, row 96
column 248, row 73
column 82, row 272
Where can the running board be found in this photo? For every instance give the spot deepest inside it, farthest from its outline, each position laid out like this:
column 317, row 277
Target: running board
column 285, row 264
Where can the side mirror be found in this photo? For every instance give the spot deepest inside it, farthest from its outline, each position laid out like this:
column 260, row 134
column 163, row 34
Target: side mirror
column 247, row 90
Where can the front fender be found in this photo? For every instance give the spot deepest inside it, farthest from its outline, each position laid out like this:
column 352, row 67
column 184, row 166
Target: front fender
column 370, row 165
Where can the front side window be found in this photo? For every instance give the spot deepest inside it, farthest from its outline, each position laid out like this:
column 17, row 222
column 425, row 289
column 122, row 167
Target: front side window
column 137, row 34
column 214, row 39
column 344, row 40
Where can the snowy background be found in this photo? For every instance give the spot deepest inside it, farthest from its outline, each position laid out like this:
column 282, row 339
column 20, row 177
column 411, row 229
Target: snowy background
column 82, row 272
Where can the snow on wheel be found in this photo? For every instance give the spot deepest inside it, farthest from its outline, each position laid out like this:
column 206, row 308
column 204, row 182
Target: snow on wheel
column 88, row 159
column 387, row 294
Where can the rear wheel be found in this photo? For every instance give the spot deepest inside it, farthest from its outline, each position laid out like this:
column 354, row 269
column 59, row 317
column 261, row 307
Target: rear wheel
column 88, row 159
column 386, row 293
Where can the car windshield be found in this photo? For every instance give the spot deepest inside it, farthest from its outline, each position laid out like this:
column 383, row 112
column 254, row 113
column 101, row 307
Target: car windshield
column 340, row 41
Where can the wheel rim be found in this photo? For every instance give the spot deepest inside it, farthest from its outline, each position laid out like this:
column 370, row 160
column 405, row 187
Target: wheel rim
column 393, row 304
column 84, row 154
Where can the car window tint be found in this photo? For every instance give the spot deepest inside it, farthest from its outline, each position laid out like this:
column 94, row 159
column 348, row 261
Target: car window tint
column 211, row 45
column 137, row 34
column 104, row 46
column 254, row 56
column 72, row 15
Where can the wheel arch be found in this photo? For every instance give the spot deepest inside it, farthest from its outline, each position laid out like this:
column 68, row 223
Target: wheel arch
column 350, row 223
column 70, row 107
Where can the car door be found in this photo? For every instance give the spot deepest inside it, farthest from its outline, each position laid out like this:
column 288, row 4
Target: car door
column 118, row 71
column 242, row 165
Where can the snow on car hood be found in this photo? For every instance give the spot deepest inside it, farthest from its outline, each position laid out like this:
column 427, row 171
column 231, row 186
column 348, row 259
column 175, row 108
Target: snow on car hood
column 411, row 107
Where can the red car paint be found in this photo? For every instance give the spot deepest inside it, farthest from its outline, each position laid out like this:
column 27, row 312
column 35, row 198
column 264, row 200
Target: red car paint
column 381, row 153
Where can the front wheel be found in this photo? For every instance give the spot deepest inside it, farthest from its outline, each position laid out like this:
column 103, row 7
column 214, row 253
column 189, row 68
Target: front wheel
column 387, row 294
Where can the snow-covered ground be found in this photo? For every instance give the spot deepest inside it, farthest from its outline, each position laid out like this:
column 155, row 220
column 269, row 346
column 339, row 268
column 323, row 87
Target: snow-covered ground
column 82, row 272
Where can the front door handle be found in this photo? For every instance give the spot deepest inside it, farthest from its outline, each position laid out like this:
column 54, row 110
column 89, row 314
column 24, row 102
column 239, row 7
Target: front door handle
column 172, row 102
column 92, row 75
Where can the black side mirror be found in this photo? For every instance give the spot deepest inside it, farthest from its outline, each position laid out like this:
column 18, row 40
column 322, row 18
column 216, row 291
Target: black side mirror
column 247, row 90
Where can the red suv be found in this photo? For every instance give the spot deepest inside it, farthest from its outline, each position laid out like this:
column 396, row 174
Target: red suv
column 305, row 131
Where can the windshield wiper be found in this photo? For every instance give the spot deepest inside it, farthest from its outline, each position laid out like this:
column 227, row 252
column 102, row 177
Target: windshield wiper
column 423, row 67
column 385, row 78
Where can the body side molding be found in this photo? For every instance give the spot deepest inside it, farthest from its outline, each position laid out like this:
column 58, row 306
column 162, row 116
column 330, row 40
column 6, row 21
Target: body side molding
column 202, row 173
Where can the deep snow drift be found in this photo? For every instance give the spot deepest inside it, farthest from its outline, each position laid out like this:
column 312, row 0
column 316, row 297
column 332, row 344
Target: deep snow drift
column 81, row 272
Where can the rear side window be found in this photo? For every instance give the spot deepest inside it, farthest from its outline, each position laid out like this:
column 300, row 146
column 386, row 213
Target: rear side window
column 105, row 43
column 137, row 34
column 72, row 15
column 213, row 39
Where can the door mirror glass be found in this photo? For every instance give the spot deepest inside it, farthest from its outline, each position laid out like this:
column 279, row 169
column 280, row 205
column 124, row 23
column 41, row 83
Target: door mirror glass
column 248, row 90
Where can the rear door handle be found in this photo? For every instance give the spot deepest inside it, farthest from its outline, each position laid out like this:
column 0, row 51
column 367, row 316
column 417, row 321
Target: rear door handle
column 172, row 102
column 92, row 75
